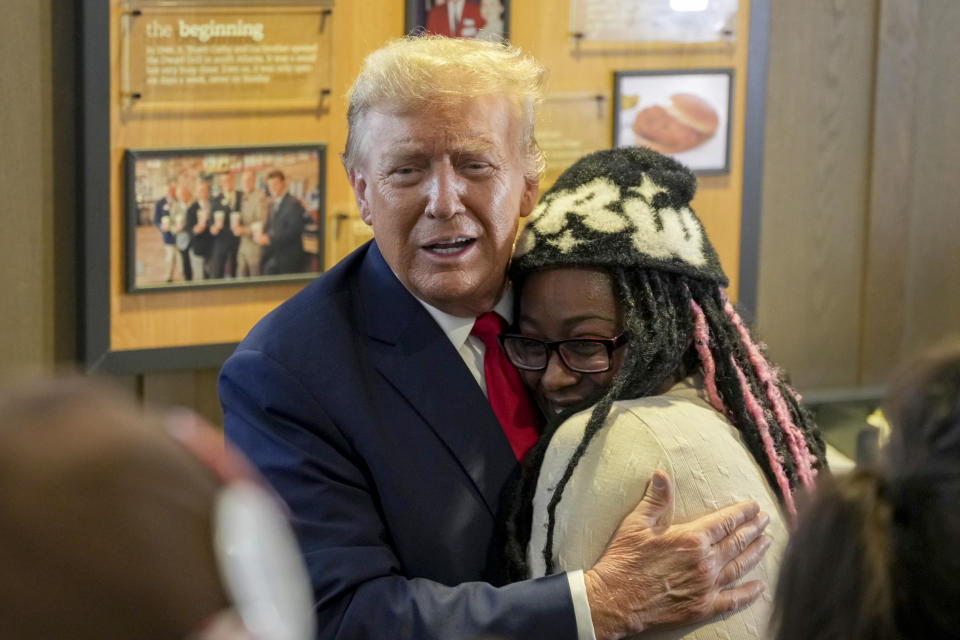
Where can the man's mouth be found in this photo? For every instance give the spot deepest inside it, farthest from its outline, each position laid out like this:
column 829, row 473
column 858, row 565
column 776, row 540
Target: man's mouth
column 449, row 247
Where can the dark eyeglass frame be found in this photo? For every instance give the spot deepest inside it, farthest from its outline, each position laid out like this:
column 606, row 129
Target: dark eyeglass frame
column 609, row 343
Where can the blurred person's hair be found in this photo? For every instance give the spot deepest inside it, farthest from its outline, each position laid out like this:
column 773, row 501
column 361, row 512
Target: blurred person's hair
column 105, row 521
column 875, row 555
column 414, row 72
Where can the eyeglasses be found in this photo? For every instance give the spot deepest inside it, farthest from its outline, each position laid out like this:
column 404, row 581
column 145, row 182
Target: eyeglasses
column 583, row 355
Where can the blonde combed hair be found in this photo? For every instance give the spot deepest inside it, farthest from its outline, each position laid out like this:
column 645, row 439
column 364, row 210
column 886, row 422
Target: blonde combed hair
column 415, row 71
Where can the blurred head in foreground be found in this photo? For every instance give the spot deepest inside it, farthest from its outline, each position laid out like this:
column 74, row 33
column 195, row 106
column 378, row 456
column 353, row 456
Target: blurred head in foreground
column 875, row 556
column 119, row 523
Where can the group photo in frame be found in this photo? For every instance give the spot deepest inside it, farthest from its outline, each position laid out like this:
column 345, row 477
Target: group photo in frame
column 484, row 19
column 224, row 216
column 681, row 113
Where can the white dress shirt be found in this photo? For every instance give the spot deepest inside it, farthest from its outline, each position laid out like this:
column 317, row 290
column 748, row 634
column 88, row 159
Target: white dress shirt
column 471, row 349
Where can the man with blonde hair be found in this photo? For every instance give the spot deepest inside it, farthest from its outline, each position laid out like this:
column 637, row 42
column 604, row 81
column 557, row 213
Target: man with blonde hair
column 376, row 403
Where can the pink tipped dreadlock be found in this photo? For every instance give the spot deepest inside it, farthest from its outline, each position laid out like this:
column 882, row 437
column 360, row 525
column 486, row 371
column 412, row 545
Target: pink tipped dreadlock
column 776, row 464
column 770, row 380
column 701, row 338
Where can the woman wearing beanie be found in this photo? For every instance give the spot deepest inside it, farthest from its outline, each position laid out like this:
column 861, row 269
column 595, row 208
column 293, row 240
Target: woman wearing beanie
column 627, row 341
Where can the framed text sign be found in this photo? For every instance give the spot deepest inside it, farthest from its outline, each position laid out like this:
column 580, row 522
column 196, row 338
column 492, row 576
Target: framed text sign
column 206, row 184
column 687, row 21
column 224, row 56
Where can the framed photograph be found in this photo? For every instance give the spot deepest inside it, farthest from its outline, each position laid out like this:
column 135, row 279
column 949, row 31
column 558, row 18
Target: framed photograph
column 225, row 216
column 681, row 113
column 485, row 19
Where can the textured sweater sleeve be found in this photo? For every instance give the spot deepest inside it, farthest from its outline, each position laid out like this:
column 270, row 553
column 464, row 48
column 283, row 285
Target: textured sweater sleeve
column 696, row 447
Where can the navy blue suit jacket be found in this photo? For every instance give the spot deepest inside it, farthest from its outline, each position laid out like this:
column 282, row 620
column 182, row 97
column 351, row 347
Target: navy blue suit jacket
column 356, row 407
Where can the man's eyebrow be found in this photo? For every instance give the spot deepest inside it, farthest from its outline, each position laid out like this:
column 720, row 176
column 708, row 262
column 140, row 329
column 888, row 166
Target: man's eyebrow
column 404, row 152
column 473, row 143
column 412, row 149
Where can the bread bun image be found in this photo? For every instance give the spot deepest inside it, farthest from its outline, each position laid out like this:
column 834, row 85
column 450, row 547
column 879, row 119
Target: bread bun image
column 687, row 122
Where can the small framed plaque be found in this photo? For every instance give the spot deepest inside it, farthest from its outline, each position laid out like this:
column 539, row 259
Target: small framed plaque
column 223, row 216
column 687, row 21
column 225, row 56
column 485, row 19
column 680, row 113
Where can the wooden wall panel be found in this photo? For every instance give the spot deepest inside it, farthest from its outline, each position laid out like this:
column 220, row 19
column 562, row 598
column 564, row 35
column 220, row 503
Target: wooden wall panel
column 814, row 205
column 196, row 390
column 932, row 298
column 37, row 181
column 885, row 267
column 26, row 202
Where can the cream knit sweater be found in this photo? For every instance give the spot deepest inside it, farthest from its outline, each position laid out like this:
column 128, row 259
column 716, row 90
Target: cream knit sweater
column 680, row 433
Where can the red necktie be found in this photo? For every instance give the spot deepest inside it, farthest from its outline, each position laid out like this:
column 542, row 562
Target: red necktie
column 511, row 404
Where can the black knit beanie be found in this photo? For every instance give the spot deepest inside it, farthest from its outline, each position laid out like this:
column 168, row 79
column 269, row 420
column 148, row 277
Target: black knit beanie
column 625, row 207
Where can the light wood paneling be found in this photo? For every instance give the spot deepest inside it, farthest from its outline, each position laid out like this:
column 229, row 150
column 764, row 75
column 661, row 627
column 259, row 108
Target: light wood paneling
column 885, row 266
column 932, row 299
column 816, row 168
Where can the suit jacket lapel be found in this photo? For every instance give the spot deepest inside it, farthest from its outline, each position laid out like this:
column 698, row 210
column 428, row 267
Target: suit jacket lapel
column 421, row 363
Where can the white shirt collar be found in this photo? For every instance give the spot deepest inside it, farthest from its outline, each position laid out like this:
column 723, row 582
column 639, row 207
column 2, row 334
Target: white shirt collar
column 457, row 329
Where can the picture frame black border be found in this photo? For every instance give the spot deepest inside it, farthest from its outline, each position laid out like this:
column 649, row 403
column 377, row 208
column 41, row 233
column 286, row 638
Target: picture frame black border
column 131, row 156
column 412, row 25
column 618, row 77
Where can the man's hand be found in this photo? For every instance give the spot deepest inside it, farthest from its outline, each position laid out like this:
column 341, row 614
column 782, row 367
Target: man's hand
column 652, row 574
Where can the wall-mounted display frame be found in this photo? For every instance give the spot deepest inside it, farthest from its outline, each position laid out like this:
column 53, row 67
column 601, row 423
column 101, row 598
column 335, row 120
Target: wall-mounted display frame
column 686, row 21
column 179, row 327
column 485, row 19
column 683, row 113
column 227, row 216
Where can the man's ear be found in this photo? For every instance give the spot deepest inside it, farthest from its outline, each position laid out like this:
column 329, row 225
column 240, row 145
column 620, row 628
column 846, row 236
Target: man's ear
column 531, row 190
column 359, row 184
